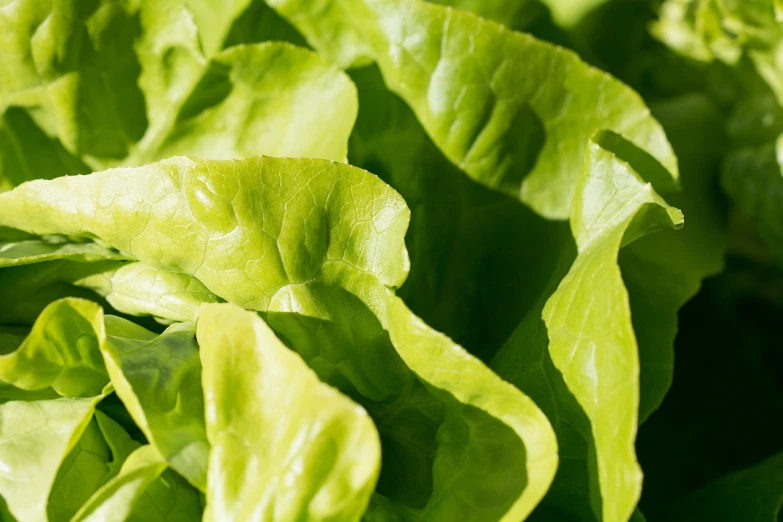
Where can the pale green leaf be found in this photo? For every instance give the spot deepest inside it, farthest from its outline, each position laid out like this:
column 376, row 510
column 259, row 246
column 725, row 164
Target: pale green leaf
column 62, row 351
column 513, row 112
column 320, row 268
column 481, row 463
column 158, row 379
column 309, row 454
column 576, row 354
column 35, row 439
column 139, row 289
column 126, row 83
column 350, row 219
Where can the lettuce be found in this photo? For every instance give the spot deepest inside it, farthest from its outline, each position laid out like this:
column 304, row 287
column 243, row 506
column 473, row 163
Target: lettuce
column 342, row 260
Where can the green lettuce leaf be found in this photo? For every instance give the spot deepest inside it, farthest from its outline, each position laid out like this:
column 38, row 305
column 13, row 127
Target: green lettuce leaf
column 728, row 31
column 143, row 490
column 126, row 83
column 62, row 351
column 576, row 354
column 138, row 289
column 753, row 177
column 755, row 493
column 17, row 251
column 475, row 87
column 36, row 437
column 293, row 193
column 516, row 14
column 119, row 442
column 115, row 500
column 84, row 470
column 467, row 244
column 471, row 391
column 466, row 241
column 310, row 455
column 324, row 293
column 663, row 271
column 158, row 379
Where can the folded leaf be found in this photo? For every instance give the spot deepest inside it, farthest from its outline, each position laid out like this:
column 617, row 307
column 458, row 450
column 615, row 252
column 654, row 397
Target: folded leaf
column 467, row 245
column 113, row 84
column 35, row 439
column 82, row 472
column 477, row 89
column 139, row 289
column 120, row 444
column 284, row 445
column 663, row 271
column 115, row 500
column 320, row 269
column 351, row 219
column 62, row 351
column 479, row 258
column 142, row 491
column 483, row 460
column 158, row 379
column 39, row 250
column 578, row 359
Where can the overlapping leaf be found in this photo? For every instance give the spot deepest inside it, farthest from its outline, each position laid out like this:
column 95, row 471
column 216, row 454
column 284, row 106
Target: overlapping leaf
column 319, row 267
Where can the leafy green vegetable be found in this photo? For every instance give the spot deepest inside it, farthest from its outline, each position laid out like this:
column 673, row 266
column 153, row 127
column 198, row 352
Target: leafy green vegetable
column 112, row 84
column 310, row 454
column 138, row 289
column 36, row 437
column 143, row 490
column 61, row 351
column 472, row 86
column 472, row 386
column 351, row 267
column 335, row 338
column 81, row 473
column 158, row 379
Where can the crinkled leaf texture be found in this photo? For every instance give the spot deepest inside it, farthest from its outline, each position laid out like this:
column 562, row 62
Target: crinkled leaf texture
column 476, row 88
column 319, row 267
column 451, row 215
